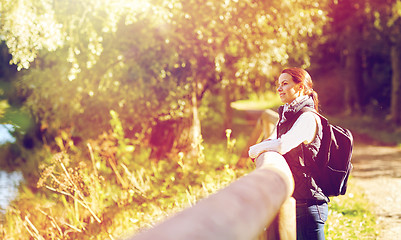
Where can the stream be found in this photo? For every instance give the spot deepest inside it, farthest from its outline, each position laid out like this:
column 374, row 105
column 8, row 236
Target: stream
column 9, row 181
column 8, row 188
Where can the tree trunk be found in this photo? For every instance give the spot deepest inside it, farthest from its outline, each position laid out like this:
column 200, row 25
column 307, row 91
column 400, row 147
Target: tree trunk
column 353, row 78
column 228, row 113
column 396, row 83
column 170, row 137
column 196, row 133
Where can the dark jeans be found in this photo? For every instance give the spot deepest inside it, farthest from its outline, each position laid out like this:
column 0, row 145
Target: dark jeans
column 310, row 221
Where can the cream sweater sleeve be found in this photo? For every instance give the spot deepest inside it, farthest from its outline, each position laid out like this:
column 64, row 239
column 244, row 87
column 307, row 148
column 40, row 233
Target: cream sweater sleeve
column 303, row 131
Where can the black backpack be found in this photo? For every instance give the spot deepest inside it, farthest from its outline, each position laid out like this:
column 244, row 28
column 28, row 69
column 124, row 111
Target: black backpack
column 332, row 165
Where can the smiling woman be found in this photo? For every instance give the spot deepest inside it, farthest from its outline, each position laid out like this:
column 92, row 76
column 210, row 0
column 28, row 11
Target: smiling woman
column 288, row 90
column 303, row 85
column 298, row 138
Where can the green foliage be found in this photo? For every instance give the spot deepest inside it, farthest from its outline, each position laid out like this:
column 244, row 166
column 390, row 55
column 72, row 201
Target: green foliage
column 99, row 195
column 97, row 75
column 92, row 199
column 3, row 107
column 211, row 113
column 111, row 191
column 27, row 28
column 118, row 133
column 143, row 59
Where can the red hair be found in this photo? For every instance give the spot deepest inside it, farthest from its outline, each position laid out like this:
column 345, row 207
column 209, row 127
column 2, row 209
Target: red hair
column 301, row 76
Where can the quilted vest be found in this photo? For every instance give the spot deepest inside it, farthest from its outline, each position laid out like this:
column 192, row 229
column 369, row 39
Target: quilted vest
column 305, row 185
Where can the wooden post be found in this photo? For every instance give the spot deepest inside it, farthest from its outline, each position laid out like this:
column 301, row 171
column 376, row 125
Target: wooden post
column 240, row 211
column 263, row 129
column 284, row 225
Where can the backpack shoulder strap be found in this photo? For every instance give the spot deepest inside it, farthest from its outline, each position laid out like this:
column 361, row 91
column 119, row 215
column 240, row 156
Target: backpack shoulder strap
column 325, row 121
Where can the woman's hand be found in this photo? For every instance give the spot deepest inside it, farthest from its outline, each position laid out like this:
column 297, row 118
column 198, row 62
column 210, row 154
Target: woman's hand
column 257, row 149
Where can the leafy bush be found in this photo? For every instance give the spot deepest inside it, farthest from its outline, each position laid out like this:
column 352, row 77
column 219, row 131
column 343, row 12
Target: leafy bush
column 113, row 189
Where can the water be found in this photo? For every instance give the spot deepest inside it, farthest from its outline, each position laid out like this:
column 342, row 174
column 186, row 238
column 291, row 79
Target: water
column 5, row 135
column 8, row 180
column 8, row 188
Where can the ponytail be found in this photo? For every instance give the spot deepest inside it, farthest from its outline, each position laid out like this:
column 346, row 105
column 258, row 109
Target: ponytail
column 315, row 99
column 313, row 94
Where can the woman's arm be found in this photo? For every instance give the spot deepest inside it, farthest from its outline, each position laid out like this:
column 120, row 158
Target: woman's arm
column 273, row 135
column 303, row 131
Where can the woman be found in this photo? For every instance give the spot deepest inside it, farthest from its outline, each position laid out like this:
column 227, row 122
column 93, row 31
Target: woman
column 297, row 138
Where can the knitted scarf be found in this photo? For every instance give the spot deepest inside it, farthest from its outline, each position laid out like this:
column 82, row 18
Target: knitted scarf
column 288, row 111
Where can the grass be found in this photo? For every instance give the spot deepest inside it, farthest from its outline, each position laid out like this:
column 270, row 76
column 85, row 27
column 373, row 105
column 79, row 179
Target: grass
column 350, row 216
column 93, row 195
column 258, row 102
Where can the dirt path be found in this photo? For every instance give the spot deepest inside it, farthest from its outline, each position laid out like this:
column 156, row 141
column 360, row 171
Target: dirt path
column 377, row 170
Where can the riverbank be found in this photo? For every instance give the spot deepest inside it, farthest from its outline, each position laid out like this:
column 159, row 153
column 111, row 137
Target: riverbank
column 9, row 182
column 117, row 199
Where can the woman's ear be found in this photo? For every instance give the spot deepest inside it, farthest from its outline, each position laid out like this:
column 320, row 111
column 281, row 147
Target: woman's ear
column 301, row 88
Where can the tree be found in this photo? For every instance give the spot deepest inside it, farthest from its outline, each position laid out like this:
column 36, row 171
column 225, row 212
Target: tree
column 150, row 61
column 388, row 22
column 348, row 20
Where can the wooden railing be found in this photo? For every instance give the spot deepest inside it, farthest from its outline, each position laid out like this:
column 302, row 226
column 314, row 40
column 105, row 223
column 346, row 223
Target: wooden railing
column 264, row 123
column 256, row 206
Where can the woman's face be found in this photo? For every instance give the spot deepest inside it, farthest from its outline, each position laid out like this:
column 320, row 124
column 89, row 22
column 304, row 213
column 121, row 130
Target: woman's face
column 288, row 89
